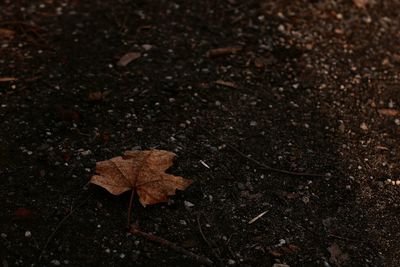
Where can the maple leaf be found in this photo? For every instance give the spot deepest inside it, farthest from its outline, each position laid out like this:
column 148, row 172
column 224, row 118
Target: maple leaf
column 140, row 171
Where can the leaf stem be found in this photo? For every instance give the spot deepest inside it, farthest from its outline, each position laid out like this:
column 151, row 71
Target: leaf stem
column 130, row 207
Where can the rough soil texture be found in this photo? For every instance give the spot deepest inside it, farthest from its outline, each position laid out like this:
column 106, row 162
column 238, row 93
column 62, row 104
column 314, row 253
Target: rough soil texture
column 310, row 83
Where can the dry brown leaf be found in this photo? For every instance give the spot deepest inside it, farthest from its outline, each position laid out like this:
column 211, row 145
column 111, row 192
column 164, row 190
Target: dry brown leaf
column 128, row 58
column 388, row 112
column 227, row 84
column 337, row 256
column 142, row 171
column 223, row 51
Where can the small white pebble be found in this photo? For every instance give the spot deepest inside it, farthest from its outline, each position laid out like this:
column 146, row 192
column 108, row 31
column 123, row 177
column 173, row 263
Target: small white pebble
column 28, row 234
column 188, row 204
column 55, row 262
column 147, row 47
column 305, row 199
column 107, row 250
column 231, row 262
column 86, row 153
column 183, row 222
column 122, row 255
column 253, row 123
column 364, row 126
column 139, row 130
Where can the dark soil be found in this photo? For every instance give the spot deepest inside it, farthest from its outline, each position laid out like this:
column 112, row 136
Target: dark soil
column 309, row 83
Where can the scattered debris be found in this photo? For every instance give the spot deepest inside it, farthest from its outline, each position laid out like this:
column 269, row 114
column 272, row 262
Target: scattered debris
column 7, row 79
column 257, row 217
column 23, row 213
column 392, row 182
column 97, row 96
column 361, row 3
column 6, row 33
column 128, row 58
column 388, row 112
column 364, row 126
column 337, row 256
column 259, row 63
column 204, row 164
column 223, row 51
column 28, row 234
column 188, row 204
column 226, row 84
column 284, row 249
column 147, row 47
column 65, row 113
column 169, row 244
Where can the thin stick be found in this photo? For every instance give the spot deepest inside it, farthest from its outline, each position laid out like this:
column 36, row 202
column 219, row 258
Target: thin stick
column 345, row 238
column 130, row 207
column 166, row 243
column 262, row 164
column 60, row 224
column 216, row 255
column 21, row 23
column 257, row 217
column 272, row 168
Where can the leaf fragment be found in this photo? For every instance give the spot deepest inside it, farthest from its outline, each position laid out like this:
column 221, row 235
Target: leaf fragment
column 223, row 51
column 337, row 256
column 7, row 79
column 6, row 33
column 142, row 171
column 227, row 84
column 388, row 112
column 128, row 58
column 361, row 3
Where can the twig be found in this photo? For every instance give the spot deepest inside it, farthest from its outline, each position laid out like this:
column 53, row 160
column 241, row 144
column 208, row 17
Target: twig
column 166, row 243
column 272, row 168
column 216, row 255
column 60, row 224
column 267, row 167
column 345, row 238
column 20, row 23
column 257, row 217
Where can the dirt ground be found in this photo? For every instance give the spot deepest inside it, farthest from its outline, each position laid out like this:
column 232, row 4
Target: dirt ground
column 304, row 86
